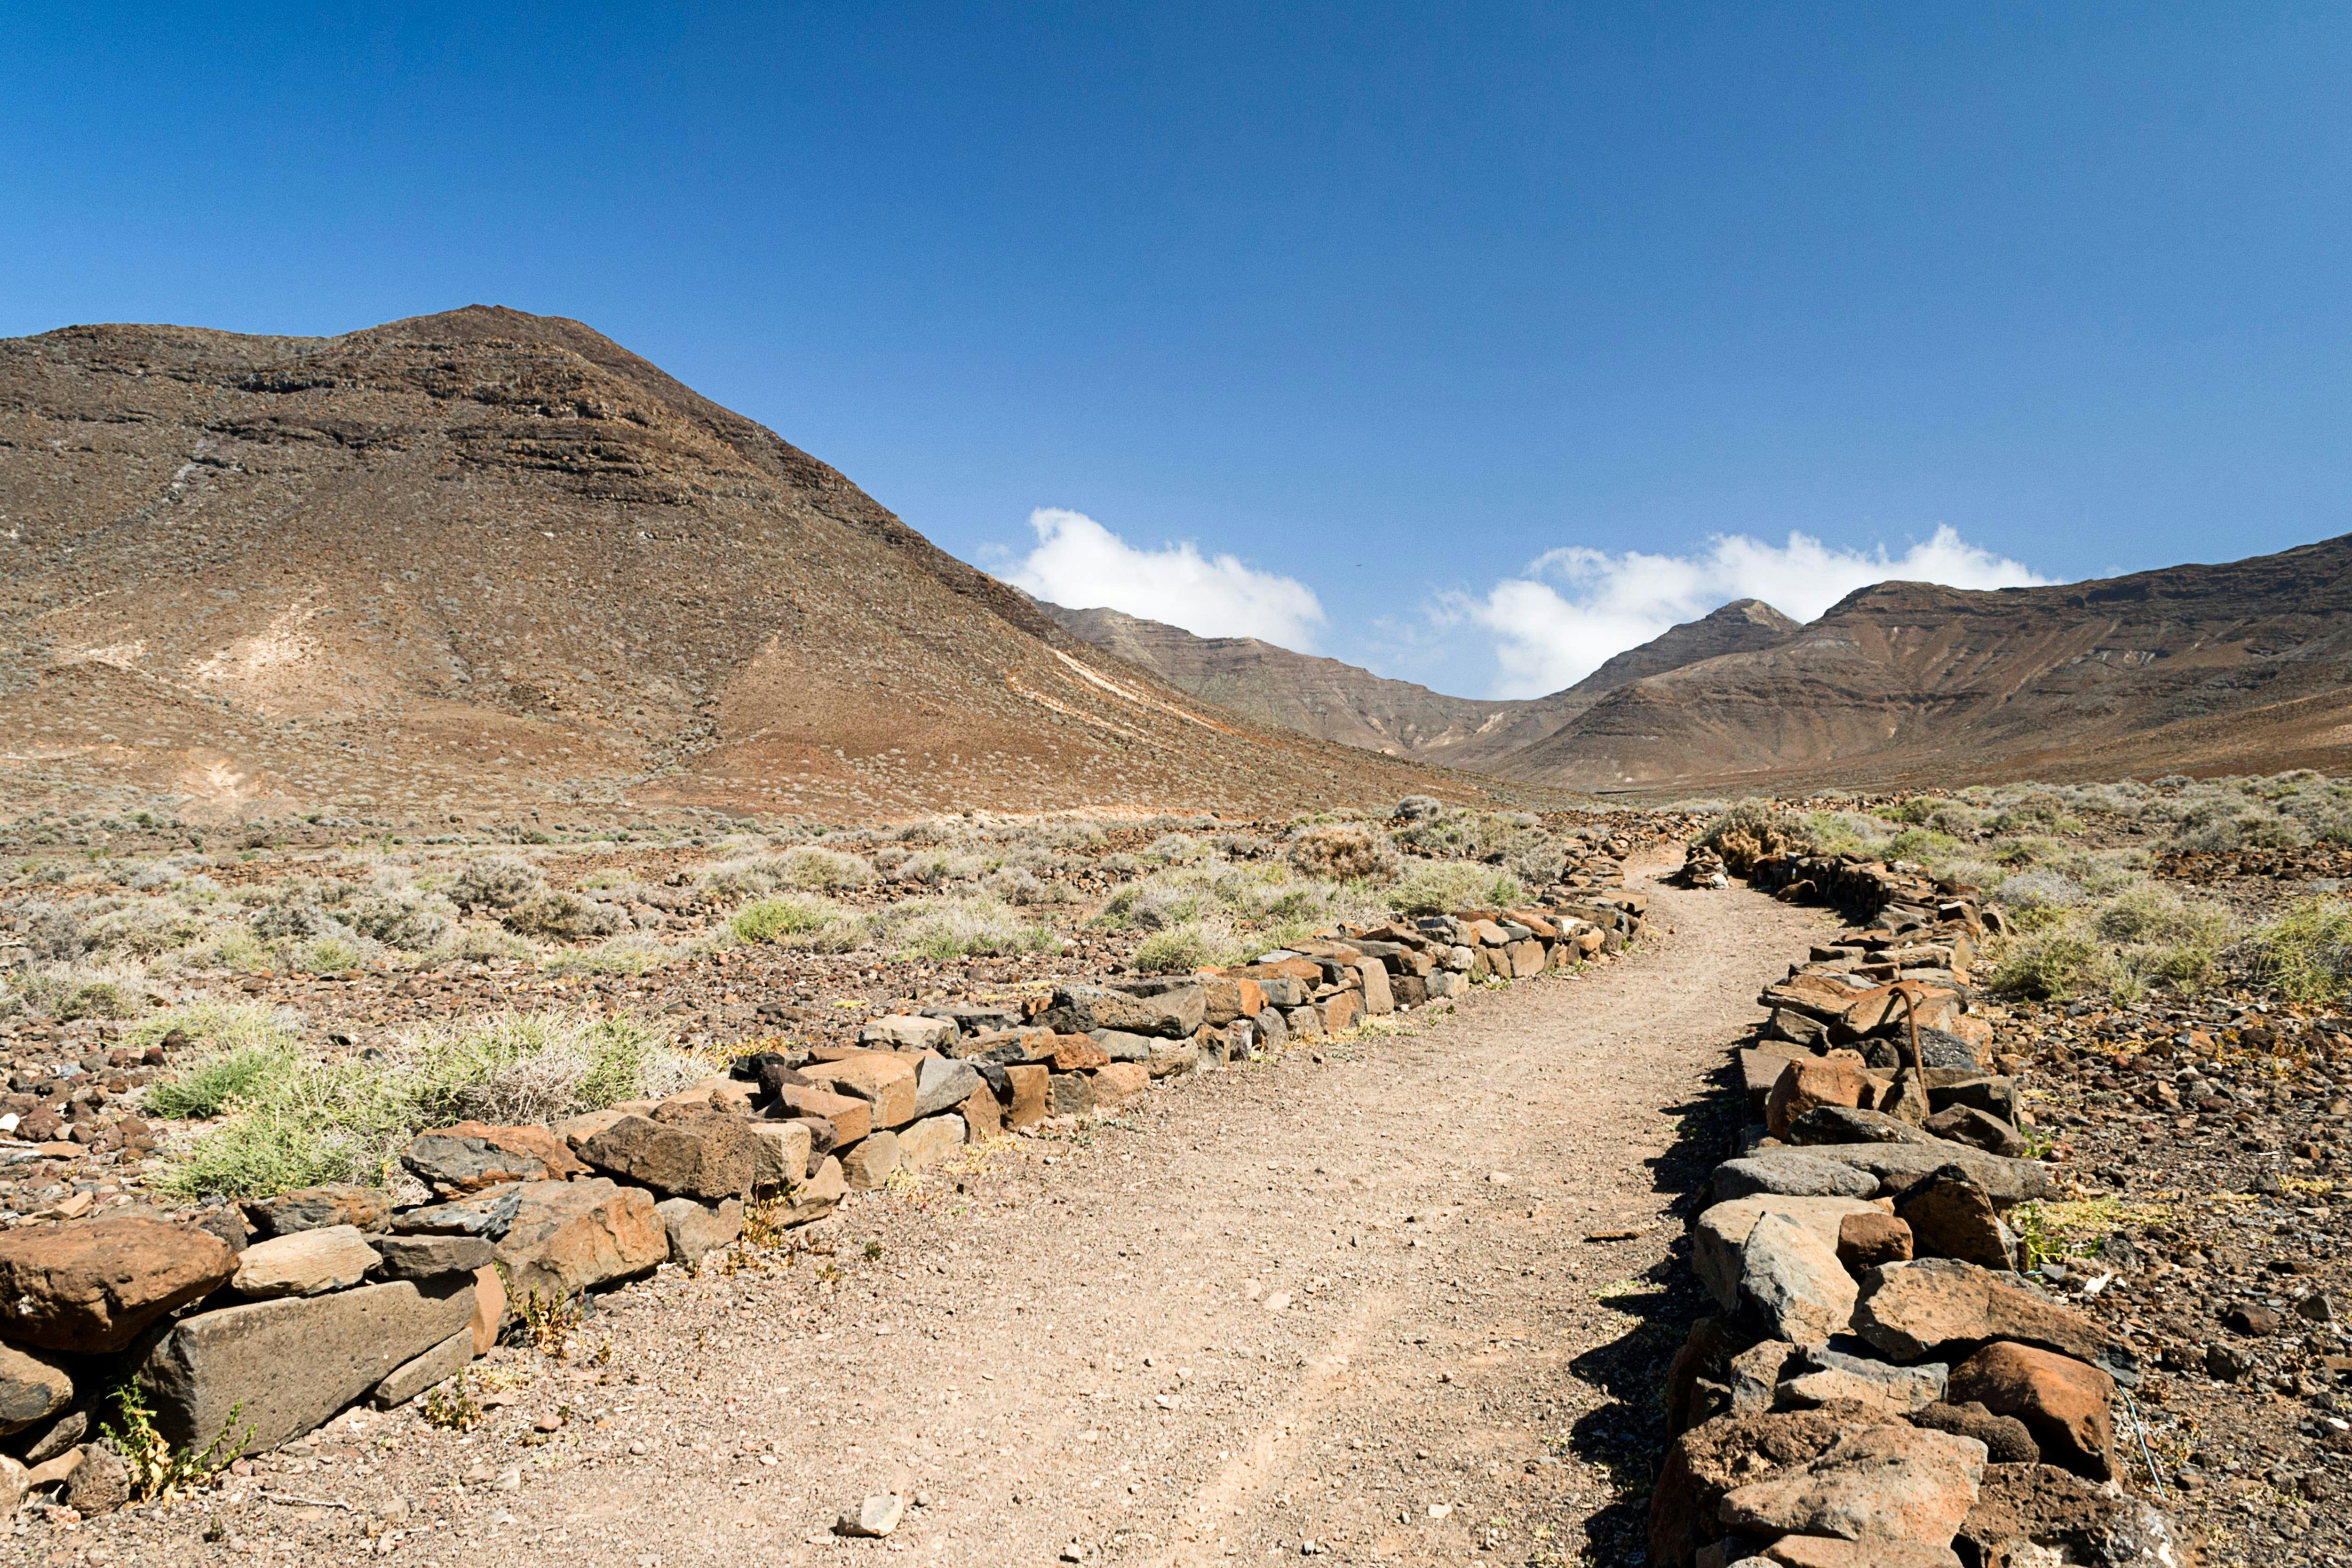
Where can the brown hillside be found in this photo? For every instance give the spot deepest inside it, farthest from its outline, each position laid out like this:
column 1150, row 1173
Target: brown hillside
column 493, row 562
column 2230, row 669
column 1336, row 701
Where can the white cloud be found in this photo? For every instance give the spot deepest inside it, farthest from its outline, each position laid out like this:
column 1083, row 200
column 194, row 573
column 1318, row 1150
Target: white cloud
column 1574, row 607
column 1081, row 564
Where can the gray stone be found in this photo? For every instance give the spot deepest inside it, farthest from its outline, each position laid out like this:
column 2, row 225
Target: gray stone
column 1754, row 1375
column 1824, row 1376
column 1122, row 1047
column 1897, row 1165
column 439, row 1364
column 1306, row 1021
column 32, row 1389
column 70, row 1428
column 696, row 1228
column 1967, row 1124
column 874, row 1518
column 453, row 1163
column 1892, row 1483
column 931, row 1142
column 906, row 1032
column 1951, row 1216
column 1271, row 1027
column 486, row 1214
column 1722, row 1229
column 1792, row 1282
column 431, row 1256
column 815, row 1198
column 286, row 1365
column 1160, row 1008
column 869, row 1161
column 1788, row 1173
column 1173, row 1058
column 941, row 1084
column 315, row 1208
column 784, row 1149
column 1851, row 1125
column 307, row 1263
column 99, row 1484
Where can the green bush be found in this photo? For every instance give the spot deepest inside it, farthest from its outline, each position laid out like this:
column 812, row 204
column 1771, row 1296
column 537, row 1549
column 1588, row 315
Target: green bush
column 771, row 918
column 2050, row 965
column 962, row 924
column 1441, row 887
column 207, row 1091
column 1179, row 950
column 2306, row 954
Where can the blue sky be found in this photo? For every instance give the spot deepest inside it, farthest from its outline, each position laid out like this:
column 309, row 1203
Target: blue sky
column 1424, row 312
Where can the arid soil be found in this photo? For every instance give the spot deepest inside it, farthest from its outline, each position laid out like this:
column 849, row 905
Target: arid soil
column 1385, row 1304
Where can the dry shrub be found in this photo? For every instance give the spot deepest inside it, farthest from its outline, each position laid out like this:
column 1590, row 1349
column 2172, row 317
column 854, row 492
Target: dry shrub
column 1343, row 852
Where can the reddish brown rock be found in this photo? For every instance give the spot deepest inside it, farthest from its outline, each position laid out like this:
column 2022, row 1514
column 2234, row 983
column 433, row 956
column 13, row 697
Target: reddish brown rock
column 2027, row 1513
column 692, row 1151
column 1867, row 1240
column 1888, row 1483
column 850, row 1118
column 569, row 1236
column 471, row 1155
column 1936, row 1307
column 318, row 1208
column 92, row 1286
column 1030, row 1091
column 1707, row 1461
column 886, row 1080
column 2065, row 1404
column 1227, row 1000
column 1951, row 1216
column 1811, row 1081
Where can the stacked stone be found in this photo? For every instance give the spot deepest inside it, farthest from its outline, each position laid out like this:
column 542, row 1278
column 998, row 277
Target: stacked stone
column 1880, row 1385
column 263, row 1322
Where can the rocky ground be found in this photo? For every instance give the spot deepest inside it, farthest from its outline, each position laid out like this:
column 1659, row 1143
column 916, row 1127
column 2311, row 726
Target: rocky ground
column 1392, row 1300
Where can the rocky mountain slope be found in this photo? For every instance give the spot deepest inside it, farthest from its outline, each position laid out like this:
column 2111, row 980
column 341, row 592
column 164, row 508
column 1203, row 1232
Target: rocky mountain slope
column 492, row 561
column 2244, row 666
column 1336, row 701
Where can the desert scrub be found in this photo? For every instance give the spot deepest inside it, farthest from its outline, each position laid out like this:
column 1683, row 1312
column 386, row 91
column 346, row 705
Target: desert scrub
column 2306, row 955
column 81, row 990
column 564, row 916
column 522, row 1068
column 810, row 867
column 632, row 952
column 1179, row 950
column 498, row 882
column 958, row 925
column 2049, row 965
column 216, row 1026
column 475, row 942
column 1448, row 885
column 1754, row 829
column 803, row 921
column 313, row 1121
column 149, row 929
column 208, row 1090
column 2141, row 933
column 1342, row 852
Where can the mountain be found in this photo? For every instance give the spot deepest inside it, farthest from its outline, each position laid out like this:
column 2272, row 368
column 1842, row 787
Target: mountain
column 1335, row 702
column 491, row 561
column 2244, row 667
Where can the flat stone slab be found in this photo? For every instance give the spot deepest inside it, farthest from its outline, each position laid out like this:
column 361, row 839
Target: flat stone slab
column 1722, row 1231
column 1790, row 1173
column 439, row 1364
column 307, row 1263
column 1897, row 1165
column 285, row 1366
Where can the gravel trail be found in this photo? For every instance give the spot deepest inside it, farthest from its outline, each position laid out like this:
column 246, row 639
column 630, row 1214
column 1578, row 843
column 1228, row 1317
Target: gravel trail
column 1350, row 1303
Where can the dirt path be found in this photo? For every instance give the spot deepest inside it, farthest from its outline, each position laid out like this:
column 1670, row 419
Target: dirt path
column 1343, row 1302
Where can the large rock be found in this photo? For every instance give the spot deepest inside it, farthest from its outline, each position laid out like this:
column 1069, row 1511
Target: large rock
column 567, row 1237
column 1121, row 1047
column 1791, row 1283
column 2029, row 1513
column 870, row 1162
column 316, row 1208
column 884, row 1080
column 943, row 1083
column 282, row 1367
column 931, row 1142
column 697, row 1228
column 2005, row 1437
column 1099, row 1091
column 1820, row 1375
column 486, row 1214
column 1172, row 1011
column 431, row 1256
column 439, row 1364
column 1722, row 1230
column 1939, row 1308
column 1866, row 1241
column 1379, row 998
column 1967, row 1124
column 2065, row 1404
column 816, row 1197
column 32, row 1389
column 92, row 1286
column 1811, row 1081
column 906, row 1032
column 1224, row 1000
column 1706, row 1461
column 1786, row 1172
column 1877, row 1483
column 1897, row 1165
column 308, row 1263
column 1951, row 1216
column 849, row 1117
column 783, row 1153
column 1172, row 1058
column 1828, row 1552
column 472, row 1155
column 687, row 1151
column 1853, row 1124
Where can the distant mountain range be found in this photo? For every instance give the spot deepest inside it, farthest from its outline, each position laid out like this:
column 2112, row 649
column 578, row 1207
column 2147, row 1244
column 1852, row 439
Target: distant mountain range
column 2244, row 667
